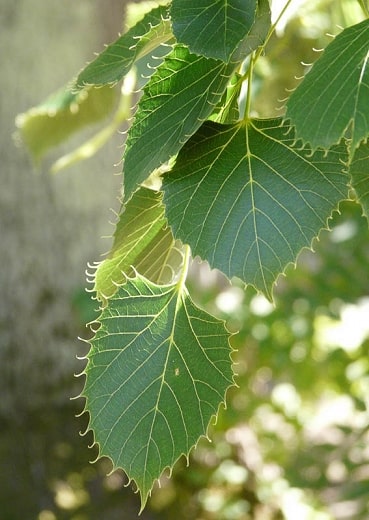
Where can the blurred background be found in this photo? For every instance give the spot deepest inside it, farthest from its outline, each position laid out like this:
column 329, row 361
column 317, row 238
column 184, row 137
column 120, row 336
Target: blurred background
column 293, row 442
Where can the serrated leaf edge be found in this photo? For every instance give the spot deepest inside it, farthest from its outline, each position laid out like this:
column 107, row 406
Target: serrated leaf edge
column 286, row 119
column 345, row 169
column 76, row 86
column 84, row 410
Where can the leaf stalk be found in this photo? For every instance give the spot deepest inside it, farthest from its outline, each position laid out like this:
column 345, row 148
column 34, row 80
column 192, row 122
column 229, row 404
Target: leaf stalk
column 261, row 49
column 255, row 56
column 186, row 262
column 248, row 76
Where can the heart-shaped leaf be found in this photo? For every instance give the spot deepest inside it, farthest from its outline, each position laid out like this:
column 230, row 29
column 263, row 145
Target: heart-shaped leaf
column 246, row 200
column 157, row 372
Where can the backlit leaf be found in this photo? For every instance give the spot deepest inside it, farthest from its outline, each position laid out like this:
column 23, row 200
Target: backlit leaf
column 180, row 95
column 142, row 239
column 212, row 28
column 333, row 98
column 247, row 201
column 61, row 115
column 97, row 141
column 157, row 371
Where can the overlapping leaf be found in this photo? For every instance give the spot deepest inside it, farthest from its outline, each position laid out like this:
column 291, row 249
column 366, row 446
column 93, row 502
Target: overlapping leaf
column 213, row 28
column 180, row 95
column 359, row 170
column 157, row 371
column 142, row 239
column 257, row 34
column 247, row 201
column 61, row 115
column 227, row 110
column 334, row 95
column 117, row 59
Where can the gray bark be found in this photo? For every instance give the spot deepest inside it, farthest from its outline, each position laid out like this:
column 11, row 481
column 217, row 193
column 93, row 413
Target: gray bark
column 51, row 225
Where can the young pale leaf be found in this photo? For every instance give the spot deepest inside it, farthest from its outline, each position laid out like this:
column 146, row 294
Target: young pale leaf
column 334, row 95
column 247, row 201
column 61, row 115
column 180, row 95
column 97, row 141
column 143, row 239
column 359, row 170
column 157, row 371
column 117, row 59
column 212, row 28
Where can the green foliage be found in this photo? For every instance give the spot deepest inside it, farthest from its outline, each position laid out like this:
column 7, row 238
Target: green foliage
column 182, row 94
column 228, row 22
column 323, row 111
column 158, row 368
column 244, row 193
column 118, row 58
column 247, row 201
column 142, row 239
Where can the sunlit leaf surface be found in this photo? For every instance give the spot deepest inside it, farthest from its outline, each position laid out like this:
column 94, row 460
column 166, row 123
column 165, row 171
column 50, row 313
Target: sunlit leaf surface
column 142, row 239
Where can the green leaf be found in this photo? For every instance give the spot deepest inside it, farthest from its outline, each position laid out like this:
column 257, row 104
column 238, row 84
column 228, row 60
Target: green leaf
column 61, row 115
column 180, row 95
column 359, row 171
column 256, row 37
column 247, row 201
column 333, row 98
column 142, row 239
column 117, row 59
column 157, row 372
column 212, row 28
column 227, row 109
